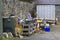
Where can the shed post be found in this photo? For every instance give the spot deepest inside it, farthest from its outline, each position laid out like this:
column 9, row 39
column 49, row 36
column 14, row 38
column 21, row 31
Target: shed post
column 1, row 26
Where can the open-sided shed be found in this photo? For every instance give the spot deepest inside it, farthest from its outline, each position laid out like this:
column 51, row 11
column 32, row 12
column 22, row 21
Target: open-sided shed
column 56, row 3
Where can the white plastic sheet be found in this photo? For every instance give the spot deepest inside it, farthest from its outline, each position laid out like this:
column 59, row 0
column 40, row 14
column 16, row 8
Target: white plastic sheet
column 46, row 11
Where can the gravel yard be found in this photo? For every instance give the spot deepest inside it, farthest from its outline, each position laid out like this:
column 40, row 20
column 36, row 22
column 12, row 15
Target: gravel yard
column 53, row 35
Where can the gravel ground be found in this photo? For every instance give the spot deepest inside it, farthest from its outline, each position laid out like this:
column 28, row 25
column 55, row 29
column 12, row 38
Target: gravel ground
column 53, row 35
column 42, row 35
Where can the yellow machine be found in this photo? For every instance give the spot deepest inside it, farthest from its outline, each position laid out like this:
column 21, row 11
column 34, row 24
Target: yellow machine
column 21, row 28
column 39, row 21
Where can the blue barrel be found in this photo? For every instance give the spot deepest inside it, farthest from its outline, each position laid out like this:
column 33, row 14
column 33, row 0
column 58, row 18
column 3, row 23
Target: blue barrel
column 47, row 29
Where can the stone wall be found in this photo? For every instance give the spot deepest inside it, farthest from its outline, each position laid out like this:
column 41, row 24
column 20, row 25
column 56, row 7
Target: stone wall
column 19, row 8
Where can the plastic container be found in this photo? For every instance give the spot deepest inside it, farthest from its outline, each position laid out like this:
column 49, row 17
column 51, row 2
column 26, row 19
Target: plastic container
column 47, row 29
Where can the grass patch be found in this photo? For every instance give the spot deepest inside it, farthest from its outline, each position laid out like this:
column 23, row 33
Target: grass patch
column 4, row 38
column 15, row 38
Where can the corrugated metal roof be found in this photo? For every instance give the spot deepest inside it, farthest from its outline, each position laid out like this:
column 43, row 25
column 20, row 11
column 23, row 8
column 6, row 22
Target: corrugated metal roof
column 47, row 1
column 57, row 1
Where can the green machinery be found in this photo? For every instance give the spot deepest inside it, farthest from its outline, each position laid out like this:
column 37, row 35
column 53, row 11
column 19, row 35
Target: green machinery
column 10, row 25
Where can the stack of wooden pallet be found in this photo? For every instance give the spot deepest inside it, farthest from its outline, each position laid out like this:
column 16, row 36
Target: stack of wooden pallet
column 28, row 29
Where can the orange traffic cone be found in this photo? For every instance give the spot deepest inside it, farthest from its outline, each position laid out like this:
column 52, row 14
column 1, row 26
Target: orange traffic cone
column 38, row 27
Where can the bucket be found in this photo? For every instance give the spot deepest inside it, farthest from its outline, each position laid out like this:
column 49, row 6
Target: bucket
column 47, row 29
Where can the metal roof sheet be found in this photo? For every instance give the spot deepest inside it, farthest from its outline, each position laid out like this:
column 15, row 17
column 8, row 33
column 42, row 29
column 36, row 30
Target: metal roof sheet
column 47, row 1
